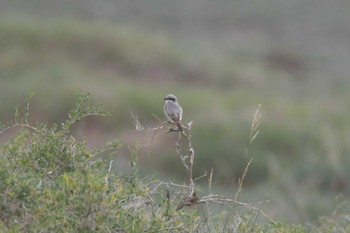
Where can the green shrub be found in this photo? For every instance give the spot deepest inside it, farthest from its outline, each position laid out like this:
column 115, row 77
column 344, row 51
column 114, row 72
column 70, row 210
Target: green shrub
column 51, row 182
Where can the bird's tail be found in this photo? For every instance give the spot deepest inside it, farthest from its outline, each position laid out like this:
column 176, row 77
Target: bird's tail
column 178, row 125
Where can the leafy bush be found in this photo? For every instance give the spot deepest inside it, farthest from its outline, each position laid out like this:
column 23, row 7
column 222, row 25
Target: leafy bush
column 51, row 182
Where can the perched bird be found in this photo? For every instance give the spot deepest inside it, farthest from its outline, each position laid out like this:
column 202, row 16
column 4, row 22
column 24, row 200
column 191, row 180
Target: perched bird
column 173, row 111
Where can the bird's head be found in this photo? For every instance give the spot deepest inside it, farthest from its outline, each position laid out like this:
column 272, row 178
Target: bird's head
column 170, row 97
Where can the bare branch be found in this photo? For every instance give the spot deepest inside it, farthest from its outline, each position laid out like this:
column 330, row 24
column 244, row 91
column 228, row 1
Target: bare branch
column 139, row 127
column 109, row 171
column 188, row 195
column 25, row 125
column 210, row 180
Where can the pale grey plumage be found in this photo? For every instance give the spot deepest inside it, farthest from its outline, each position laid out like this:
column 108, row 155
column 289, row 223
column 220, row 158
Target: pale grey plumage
column 173, row 110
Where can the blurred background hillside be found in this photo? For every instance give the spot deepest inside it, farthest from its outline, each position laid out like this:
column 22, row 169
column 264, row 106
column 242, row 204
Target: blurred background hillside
column 221, row 58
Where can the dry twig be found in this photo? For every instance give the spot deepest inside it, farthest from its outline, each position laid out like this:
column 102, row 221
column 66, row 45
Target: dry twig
column 187, row 158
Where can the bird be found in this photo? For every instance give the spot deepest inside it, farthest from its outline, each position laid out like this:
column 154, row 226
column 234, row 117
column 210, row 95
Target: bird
column 173, row 111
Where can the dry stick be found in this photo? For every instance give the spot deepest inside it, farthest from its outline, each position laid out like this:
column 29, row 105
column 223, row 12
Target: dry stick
column 218, row 199
column 24, row 125
column 109, row 171
column 187, row 161
column 210, row 180
column 139, row 127
column 191, row 197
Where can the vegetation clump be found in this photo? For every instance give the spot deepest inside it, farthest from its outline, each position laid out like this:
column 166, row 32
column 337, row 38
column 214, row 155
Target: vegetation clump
column 51, row 182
